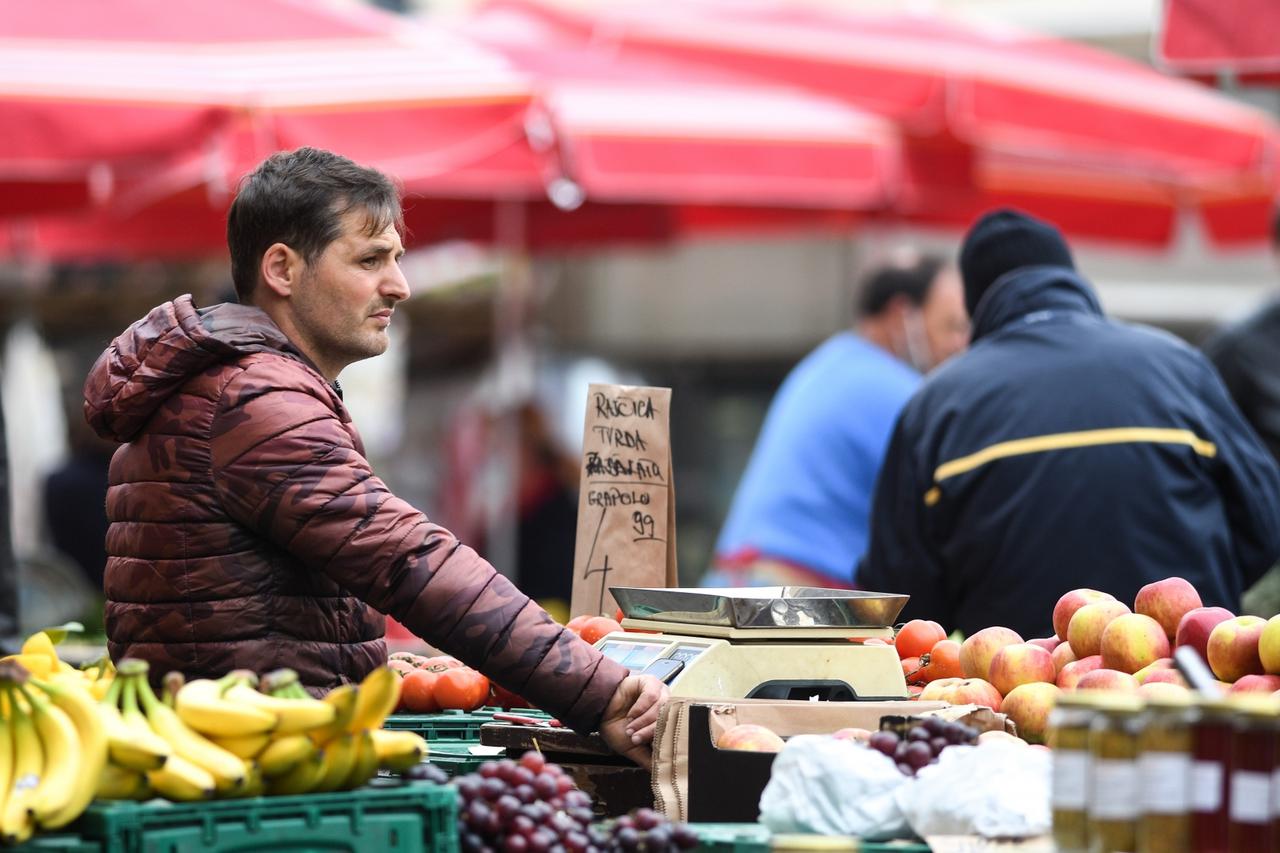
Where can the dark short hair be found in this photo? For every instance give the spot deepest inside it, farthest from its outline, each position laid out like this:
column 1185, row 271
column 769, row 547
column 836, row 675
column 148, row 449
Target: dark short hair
column 912, row 280
column 298, row 198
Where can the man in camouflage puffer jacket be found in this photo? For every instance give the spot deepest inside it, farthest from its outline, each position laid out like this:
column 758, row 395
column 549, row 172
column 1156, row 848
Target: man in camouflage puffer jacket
column 247, row 529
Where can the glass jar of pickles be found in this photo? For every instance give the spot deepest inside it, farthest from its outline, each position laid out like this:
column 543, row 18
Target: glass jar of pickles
column 1068, row 738
column 1164, row 775
column 1113, row 804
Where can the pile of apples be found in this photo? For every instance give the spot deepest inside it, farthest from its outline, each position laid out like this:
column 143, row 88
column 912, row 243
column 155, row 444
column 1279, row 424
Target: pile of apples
column 1099, row 643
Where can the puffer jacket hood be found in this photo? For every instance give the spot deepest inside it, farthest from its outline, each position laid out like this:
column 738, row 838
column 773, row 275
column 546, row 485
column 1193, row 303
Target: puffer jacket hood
column 1032, row 289
column 152, row 359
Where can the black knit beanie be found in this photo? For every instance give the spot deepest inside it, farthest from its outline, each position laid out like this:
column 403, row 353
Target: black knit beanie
column 1002, row 241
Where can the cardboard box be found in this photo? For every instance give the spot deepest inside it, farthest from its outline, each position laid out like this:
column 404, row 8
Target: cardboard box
column 695, row 781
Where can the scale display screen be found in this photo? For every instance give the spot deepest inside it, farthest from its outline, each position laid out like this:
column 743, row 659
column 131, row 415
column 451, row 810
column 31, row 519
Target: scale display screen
column 634, row 656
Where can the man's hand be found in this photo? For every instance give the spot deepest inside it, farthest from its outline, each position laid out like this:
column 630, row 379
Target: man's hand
column 632, row 715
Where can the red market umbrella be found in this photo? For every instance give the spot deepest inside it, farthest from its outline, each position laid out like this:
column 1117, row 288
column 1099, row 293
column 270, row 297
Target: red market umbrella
column 1215, row 39
column 120, row 104
column 1106, row 147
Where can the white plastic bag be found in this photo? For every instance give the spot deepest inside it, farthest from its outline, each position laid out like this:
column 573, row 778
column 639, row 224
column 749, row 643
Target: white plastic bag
column 833, row 787
column 996, row 790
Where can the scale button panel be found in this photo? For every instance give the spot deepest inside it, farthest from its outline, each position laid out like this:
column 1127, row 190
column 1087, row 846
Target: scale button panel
column 685, row 654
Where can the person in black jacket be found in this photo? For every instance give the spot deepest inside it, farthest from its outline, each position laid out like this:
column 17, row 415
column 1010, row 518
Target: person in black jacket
column 1064, row 450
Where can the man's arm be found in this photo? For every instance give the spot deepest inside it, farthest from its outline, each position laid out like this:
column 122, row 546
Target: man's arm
column 286, row 468
column 898, row 557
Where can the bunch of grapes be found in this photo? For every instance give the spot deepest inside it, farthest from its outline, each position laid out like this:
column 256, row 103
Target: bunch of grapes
column 923, row 742
column 532, row 806
column 648, row 831
column 427, row 772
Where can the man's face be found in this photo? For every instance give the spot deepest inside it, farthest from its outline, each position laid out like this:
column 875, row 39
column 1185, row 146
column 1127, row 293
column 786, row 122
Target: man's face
column 342, row 307
column 943, row 318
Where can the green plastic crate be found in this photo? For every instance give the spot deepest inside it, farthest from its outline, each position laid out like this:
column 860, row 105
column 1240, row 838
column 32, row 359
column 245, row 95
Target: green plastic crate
column 455, row 760
column 386, row 815
column 754, row 838
column 453, row 725
column 58, row 843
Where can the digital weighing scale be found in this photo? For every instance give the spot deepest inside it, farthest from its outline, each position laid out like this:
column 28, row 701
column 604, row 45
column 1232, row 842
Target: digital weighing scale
column 782, row 642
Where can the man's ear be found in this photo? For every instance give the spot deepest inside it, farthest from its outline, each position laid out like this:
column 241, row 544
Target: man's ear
column 281, row 269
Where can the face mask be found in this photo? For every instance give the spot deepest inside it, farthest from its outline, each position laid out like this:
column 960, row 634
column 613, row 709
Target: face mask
column 919, row 354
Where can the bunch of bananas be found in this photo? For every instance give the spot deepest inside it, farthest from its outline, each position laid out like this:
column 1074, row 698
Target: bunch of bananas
column 228, row 738
column 39, row 657
column 53, row 746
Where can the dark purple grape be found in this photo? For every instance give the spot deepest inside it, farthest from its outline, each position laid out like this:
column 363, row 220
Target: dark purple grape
column 476, row 814
column 646, row 818
column 469, row 787
column 657, row 838
column 576, row 842
column 562, row 823
column 522, row 825
column 901, row 751
column 493, row 788
column 525, row 793
column 627, row 838
column 557, row 848
column 488, row 769
column 954, row 733
column 541, row 841
column 917, row 754
column 492, row 825
column 884, row 742
column 506, row 769
column 625, row 821
column 582, row 814
column 541, row 811
column 577, row 798
column 515, row 844
column 935, row 726
column 472, row 843
column 533, row 761
column 508, row 806
column 683, row 836
column 938, row 744
column 545, row 785
column 906, row 769
column 523, row 776
column 918, row 733
column 565, row 784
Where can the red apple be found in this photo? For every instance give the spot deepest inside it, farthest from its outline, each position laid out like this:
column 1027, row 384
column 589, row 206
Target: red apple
column 1046, row 643
column 1256, row 684
column 1062, row 656
column 1107, row 679
column 939, row 689
column 978, row 649
column 1164, row 691
column 1084, row 632
column 1269, row 646
column 1071, row 673
column 852, row 733
column 1167, row 601
column 1196, row 625
column 1132, row 641
column 1028, row 705
column 750, row 737
column 1021, row 663
column 1233, row 647
column 1072, row 601
column 974, row 691
column 1164, row 676
column 1159, row 663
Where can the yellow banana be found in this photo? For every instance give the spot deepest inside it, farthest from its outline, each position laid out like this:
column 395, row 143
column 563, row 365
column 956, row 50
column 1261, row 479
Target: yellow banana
column 284, row 753
column 201, row 704
column 343, row 700
column 120, row 783
column 137, row 731
column 375, row 700
column 144, row 754
column 253, row 784
column 227, row 770
column 293, row 715
column 63, row 766
column 339, row 758
column 74, row 700
column 17, row 821
column 6, row 757
column 246, row 747
column 398, row 750
column 302, row 778
column 365, row 766
column 182, row 780
column 38, row 665
column 41, row 643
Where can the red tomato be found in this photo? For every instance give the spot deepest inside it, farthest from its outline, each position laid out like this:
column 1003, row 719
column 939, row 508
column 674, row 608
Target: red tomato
column 463, row 689
column 417, row 692
column 596, row 627
column 917, row 637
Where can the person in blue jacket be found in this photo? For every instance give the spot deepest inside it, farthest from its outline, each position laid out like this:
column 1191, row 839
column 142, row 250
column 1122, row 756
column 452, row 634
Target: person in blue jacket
column 800, row 514
column 1064, row 450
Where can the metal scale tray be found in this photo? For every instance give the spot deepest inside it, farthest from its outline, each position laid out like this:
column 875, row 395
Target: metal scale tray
column 762, row 607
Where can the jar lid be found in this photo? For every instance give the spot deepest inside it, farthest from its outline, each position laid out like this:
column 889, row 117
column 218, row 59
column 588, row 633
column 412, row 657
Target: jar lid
column 1256, row 704
column 1118, row 701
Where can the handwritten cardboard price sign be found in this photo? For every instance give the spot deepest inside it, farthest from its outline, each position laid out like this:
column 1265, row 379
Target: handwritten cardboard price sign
column 627, row 503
